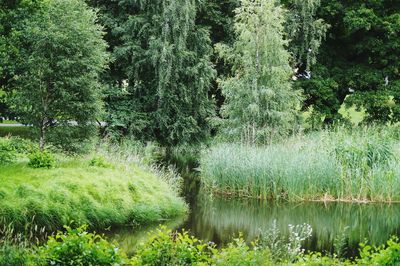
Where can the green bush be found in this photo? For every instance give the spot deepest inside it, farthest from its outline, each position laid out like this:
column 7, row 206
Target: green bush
column 239, row 253
column 43, row 159
column 99, row 161
column 168, row 248
column 12, row 255
column 8, row 153
column 23, row 146
column 165, row 247
column 73, row 139
column 389, row 255
column 80, row 248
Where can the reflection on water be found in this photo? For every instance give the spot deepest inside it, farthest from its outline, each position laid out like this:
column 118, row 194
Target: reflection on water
column 219, row 219
column 129, row 238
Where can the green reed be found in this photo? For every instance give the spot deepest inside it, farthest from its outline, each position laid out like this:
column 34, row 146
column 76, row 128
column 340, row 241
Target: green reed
column 357, row 164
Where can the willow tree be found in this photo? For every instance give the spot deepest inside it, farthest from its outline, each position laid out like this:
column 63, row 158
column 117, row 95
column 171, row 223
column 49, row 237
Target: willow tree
column 305, row 31
column 260, row 102
column 62, row 53
column 162, row 70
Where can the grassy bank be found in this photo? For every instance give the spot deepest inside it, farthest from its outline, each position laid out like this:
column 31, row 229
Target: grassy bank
column 113, row 193
column 358, row 164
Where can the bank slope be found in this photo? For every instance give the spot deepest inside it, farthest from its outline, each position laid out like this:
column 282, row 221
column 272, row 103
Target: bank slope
column 82, row 194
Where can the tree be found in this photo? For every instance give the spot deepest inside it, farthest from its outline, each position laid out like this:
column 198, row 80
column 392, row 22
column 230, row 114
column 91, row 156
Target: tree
column 260, row 102
column 218, row 17
column 306, row 32
column 62, row 53
column 12, row 14
column 162, row 72
column 360, row 60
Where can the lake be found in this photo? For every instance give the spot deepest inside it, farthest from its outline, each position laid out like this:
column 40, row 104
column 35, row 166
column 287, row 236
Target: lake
column 219, row 220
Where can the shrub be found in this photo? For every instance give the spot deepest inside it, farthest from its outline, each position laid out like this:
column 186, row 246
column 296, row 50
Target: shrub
column 11, row 255
column 99, row 161
column 389, row 255
column 7, row 151
column 43, row 159
column 282, row 249
column 239, row 253
column 78, row 247
column 168, row 248
column 23, row 146
column 73, row 139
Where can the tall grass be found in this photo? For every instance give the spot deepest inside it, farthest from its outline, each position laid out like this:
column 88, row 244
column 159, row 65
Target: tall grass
column 15, row 247
column 358, row 164
column 123, row 192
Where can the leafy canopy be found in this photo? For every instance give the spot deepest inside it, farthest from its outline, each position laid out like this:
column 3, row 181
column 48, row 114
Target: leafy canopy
column 260, row 101
column 61, row 55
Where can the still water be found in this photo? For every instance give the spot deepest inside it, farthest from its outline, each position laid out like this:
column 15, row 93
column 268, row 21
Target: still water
column 219, row 220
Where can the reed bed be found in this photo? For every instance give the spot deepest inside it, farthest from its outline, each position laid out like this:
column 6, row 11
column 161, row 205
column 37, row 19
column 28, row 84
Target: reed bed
column 357, row 164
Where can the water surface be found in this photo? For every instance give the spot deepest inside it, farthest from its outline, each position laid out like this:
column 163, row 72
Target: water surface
column 219, row 220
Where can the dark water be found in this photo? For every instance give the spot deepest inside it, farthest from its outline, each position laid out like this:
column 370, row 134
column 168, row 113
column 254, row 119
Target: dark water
column 219, row 220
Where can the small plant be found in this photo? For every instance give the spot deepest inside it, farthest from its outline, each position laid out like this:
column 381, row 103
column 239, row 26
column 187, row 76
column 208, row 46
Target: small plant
column 99, row 161
column 12, row 255
column 153, row 153
column 340, row 242
column 171, row 248
column 78, row 247
column 16, row 245
column 7, row 151
column 286, row 250
column 239, row 253
column 389, row 255
column 43, row 159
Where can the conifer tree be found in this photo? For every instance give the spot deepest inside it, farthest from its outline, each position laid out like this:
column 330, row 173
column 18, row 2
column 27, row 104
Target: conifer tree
column 260, row 102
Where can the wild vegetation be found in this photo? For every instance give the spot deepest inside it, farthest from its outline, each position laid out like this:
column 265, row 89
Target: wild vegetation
column 359, row 164
column 164, row 247
column 98, row 190
column 114, row 95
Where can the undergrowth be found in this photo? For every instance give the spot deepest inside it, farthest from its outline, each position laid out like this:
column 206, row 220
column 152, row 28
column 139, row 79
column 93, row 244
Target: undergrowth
column 76, row 246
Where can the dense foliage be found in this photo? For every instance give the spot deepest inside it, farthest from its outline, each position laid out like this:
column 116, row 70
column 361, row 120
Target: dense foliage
column 81, row 248
column 162, row 72
column 162, row 80
column 165, row 247
column 260, row 102
column 61, row 53
column 359, row 59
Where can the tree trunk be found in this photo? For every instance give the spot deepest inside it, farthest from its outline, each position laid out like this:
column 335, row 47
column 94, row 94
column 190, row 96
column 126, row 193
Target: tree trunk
column 42, row 140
